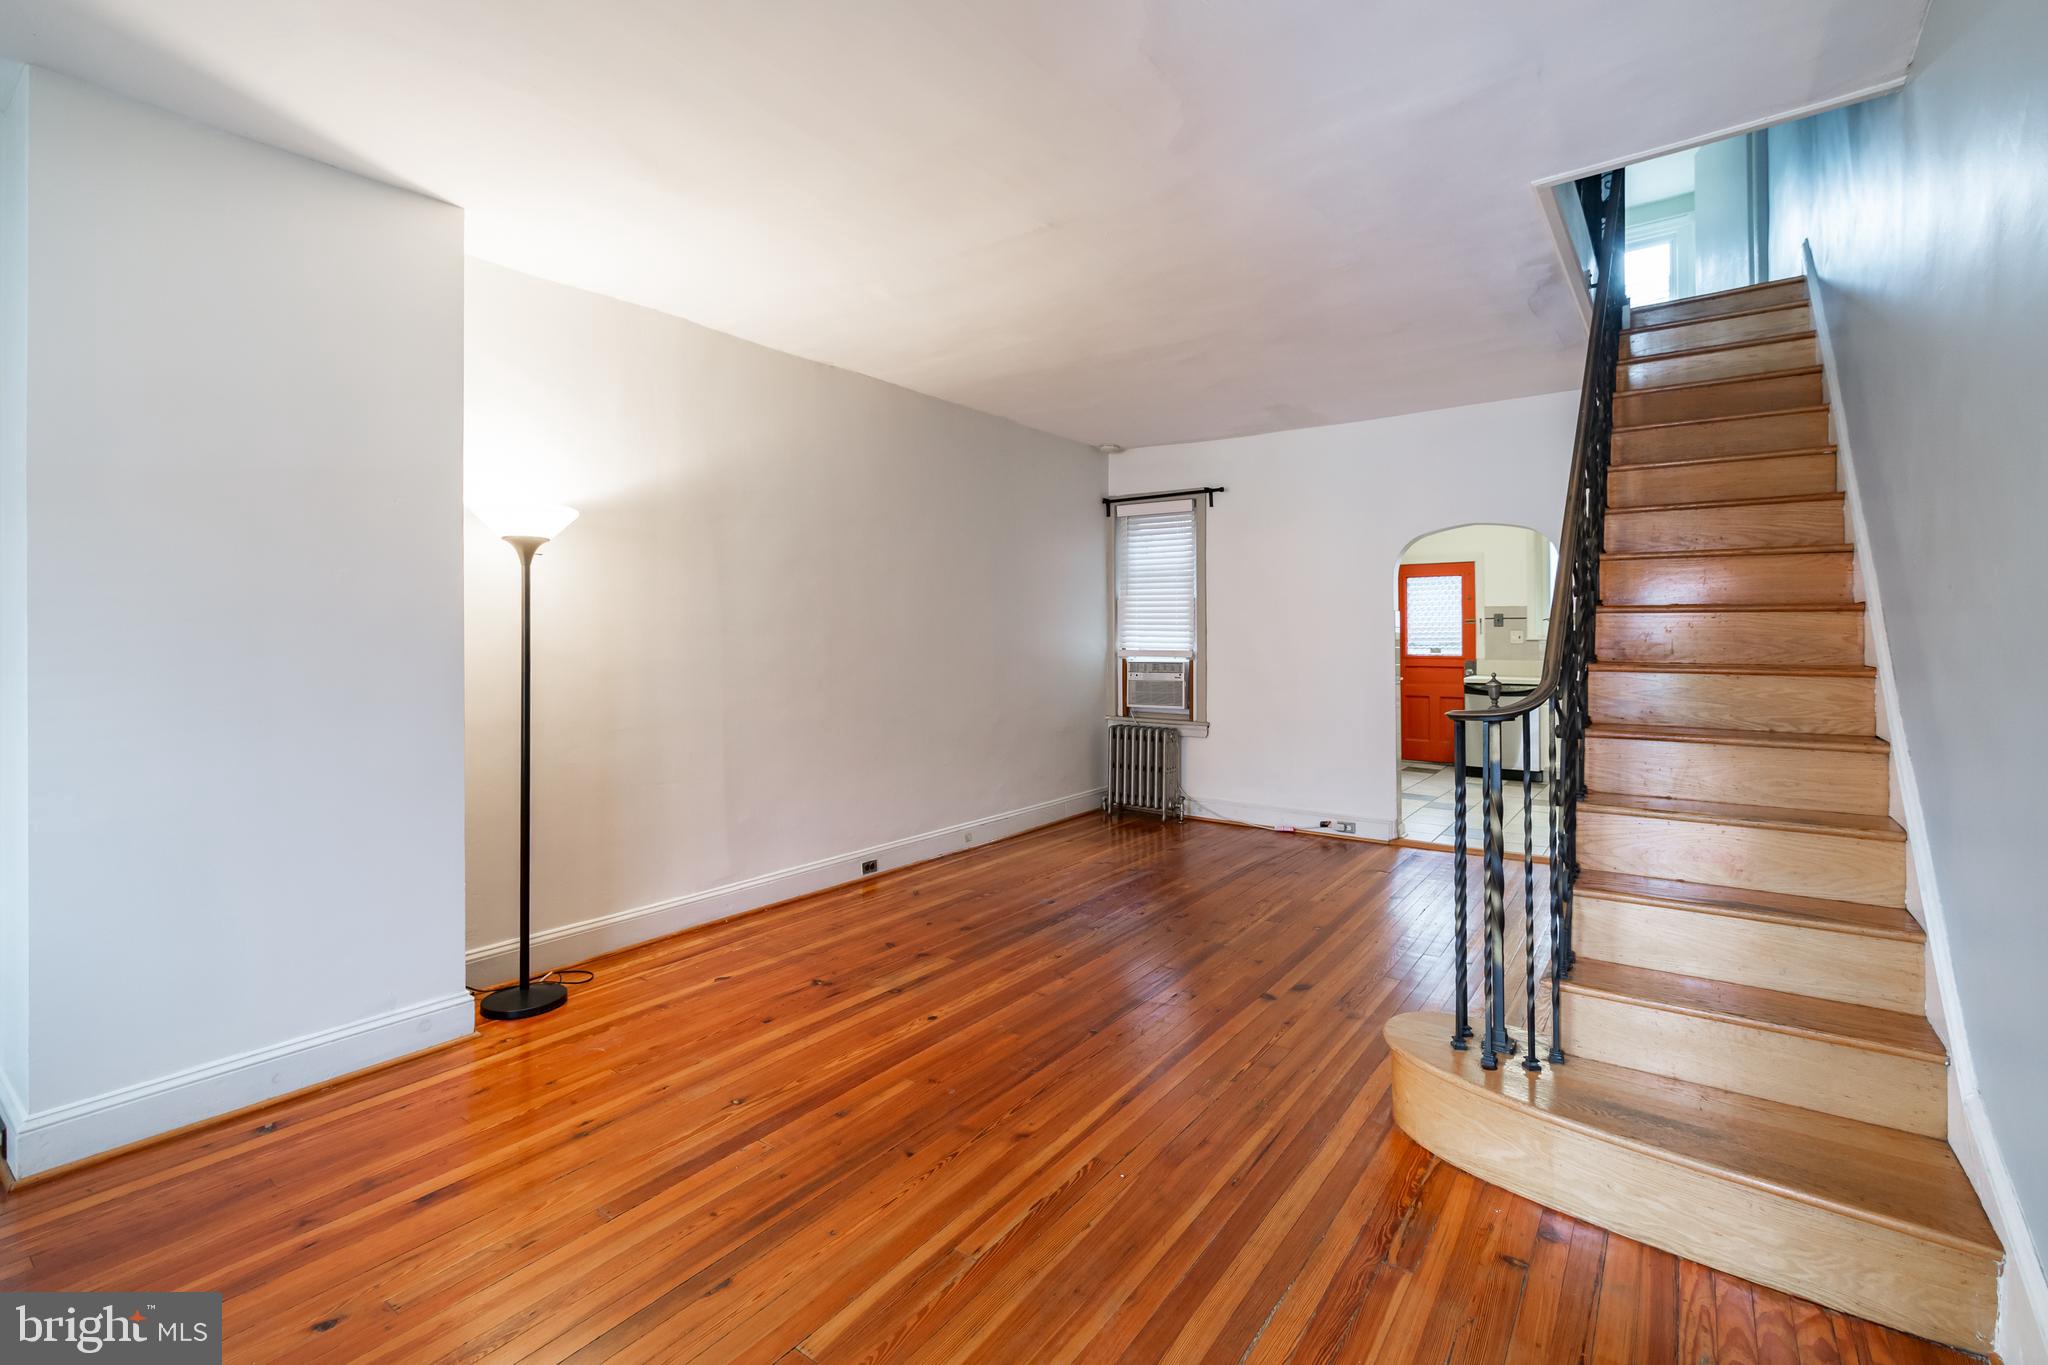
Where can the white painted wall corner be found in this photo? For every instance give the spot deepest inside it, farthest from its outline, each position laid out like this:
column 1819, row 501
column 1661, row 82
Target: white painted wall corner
column 13, row 1113
column 38, row 1142
column 2023, row 1287
column 490, row 963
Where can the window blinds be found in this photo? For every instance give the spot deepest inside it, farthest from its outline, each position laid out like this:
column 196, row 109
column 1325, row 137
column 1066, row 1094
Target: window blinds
column 1156, row 582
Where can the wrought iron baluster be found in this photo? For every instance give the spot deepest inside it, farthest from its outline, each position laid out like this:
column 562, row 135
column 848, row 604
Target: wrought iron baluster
column 1489, row 1038
column 1529, row 1062
column 1461, row 937
column 1556, row 898
column 1491, row 742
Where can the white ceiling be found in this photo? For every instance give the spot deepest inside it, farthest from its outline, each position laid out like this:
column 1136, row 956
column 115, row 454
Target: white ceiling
column 1121, row 220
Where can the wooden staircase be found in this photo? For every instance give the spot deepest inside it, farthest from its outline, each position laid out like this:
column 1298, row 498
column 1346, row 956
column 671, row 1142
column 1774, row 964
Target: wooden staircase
column 1752, row 1081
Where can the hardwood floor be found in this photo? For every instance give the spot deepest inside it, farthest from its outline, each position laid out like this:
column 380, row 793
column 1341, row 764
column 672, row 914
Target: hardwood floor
column 1097, row 1093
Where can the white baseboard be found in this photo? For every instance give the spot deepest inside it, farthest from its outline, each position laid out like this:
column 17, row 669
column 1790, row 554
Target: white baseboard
column 2022, row 1289
column 1273, row 817
column 490, row 963
column 44, row 1140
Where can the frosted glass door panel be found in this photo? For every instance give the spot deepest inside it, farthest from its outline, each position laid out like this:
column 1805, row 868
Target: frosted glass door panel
column 1435, row 622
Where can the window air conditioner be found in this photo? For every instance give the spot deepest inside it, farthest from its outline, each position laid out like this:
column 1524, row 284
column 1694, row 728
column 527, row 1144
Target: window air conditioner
column 1157, row 687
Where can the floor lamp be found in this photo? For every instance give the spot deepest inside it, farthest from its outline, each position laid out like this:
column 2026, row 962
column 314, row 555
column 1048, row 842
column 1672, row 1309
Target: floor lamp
column 525, row 528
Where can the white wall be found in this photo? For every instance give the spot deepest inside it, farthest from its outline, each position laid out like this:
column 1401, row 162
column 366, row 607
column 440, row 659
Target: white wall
column 804, row 614
column 1303, row 550
column 14, row 979
column 1928, row 217
column 1722, row 232
column 244, row 687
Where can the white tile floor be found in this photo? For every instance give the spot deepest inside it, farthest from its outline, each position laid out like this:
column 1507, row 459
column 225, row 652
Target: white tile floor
column 1426, row 809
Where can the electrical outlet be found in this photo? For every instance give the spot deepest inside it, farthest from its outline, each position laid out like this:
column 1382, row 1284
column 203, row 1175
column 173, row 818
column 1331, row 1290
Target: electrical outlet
column 871, row 865
column 1347, row 827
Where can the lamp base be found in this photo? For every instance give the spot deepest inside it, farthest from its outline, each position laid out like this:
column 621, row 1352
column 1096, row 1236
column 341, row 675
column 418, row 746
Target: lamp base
column 523, row 1002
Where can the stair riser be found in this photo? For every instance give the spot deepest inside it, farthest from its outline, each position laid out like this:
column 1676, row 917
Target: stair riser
column 1779, row 476
column 1764, row 357
column 1735, row 436
column 1814, row 1073
column 1794, row 862
column 1770, row 393
column 1738, row 580
column 1731, row 639
column 1856, row 969
column 1849, row 1264
column 1728, row 331
column 1815, row 779
column 1772, row 525
column 1725, row 701
column 1710, row 306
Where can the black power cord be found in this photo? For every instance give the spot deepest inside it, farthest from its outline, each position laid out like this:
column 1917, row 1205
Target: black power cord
column 567, row 976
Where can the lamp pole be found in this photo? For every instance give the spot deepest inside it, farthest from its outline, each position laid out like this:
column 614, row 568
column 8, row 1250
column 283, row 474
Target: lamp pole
column 528, row 998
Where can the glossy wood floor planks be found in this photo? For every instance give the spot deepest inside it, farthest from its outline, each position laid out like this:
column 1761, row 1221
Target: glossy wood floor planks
column 1097, row 1093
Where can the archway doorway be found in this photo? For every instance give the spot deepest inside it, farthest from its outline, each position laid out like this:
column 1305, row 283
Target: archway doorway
column 1472, row 605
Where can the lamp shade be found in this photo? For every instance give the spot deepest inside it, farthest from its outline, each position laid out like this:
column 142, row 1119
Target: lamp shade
column 535, row 520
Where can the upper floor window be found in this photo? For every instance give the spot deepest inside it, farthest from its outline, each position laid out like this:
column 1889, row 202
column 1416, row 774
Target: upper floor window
column 1647, row 272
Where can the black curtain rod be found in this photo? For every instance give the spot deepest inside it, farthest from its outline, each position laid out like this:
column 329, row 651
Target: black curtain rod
column 1109, row 504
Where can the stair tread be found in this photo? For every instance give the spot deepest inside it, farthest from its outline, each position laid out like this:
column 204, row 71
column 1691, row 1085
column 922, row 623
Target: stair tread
column 1709, row 394
column 1878, row 1175
column 1845, row 823
column 1762, row 670
column 1734, row 291
column 1763, row 377
column 1741, row 293
column 1718, row 317
column 1711, row 307
column 1732, row 606
column 1719, row 346
column 1881, row 1030
column 1780, row 499
column 1730, row 551
column 1634, row 465
column 1727, row 416
column 1759, row 739
column 1772, row 907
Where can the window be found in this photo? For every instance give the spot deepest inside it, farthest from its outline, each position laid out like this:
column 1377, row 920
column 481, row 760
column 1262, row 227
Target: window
column 1646, row 272
column 1436, row 619
column 1158, row 609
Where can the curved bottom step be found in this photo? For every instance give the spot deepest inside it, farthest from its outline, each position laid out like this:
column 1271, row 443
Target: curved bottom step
column 1868, row 1220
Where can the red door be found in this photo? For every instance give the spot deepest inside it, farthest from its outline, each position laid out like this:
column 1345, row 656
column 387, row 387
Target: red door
column 1439, row 632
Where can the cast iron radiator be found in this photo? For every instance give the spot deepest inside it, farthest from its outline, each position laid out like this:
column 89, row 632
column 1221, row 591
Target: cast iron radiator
column 1144, row 770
